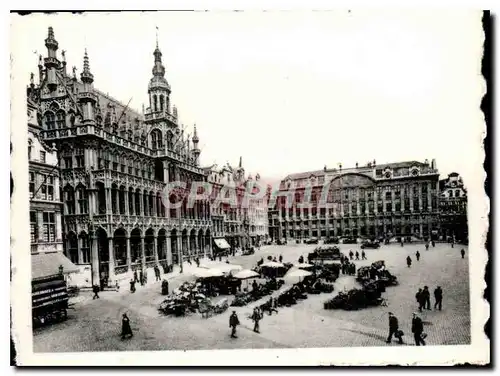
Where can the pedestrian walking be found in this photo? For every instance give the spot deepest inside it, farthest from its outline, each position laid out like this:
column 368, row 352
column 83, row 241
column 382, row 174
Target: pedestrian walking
column 417, row 328
column 427, row 246
column 351, row 254
column 417, row 255
column 394, row 329
column 438, row 296
column 256, row 317
column 357, row 255
column 281, row 258
column 462, row 252
column 164, row 287
column 117, row 286
column 132, row 285
column 95, row 290
column 433, row 244
column 426, row 296
column 141, row 277
column 418, row 297
column 136, row 279
column 363, row 255
column 126, row 329
column 402, row 244
column 233, row 323
column 408, row 261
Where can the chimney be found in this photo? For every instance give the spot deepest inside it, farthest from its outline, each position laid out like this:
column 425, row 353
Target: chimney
column 374, row 163
column 356, row 164
column 433, row 164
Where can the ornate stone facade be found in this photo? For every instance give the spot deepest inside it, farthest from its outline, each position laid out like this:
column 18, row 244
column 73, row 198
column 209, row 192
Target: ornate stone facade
column 44, row 190
column 115, row 164
column 453, row 208
column 371, row 201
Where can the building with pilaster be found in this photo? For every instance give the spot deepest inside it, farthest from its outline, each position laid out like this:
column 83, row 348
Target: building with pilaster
column 115, row 164
column 453, row 208
column 370, row 201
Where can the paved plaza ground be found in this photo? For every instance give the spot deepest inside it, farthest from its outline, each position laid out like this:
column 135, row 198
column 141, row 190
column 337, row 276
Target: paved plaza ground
column 94, row 325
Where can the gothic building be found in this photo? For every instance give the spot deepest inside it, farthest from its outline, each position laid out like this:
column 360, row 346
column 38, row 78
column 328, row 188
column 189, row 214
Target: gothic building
column 371, row 201
column 240, row 225
column 453, row 208
column 115, row 164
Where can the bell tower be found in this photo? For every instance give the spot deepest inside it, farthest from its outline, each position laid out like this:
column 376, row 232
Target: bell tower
column 158, row 88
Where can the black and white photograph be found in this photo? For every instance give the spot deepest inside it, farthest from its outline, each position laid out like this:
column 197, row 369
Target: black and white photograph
column 248, row 188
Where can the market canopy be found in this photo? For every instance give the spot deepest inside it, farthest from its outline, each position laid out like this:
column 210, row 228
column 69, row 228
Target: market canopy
column 273, row 264
column 206, row 273
column 297, row 273
column 222, row 243
column 246, row 274
column 304, row 265
column 48, row 264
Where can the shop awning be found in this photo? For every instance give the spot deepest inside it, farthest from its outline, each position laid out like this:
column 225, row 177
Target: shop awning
column 222, row 243
column 47, row 264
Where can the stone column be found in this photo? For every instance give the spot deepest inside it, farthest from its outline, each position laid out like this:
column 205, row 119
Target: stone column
column 402, row 197
column 393, row 200
column 375, row 201
column 410, row 188
column 109, row 203
column 419, row 193
column 421, row 228
column 429, row 197
column 383, row 200
column 143, row 253
column 111, row 265
column 126, row 203
column 154, row 208
column 133, row 203
column 155, row 249
column 129, row 255
column 94, row 259
column 79, row 244
column 168, row 242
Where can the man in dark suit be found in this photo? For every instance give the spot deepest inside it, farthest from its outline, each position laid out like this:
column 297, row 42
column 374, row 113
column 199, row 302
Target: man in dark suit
column 417, row 328
column 438, row 295
column 393, row 329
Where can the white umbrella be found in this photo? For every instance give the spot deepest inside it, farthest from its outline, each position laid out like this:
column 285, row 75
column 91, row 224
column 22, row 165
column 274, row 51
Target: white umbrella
column 246, row 274
column 297, row 273
column 304, row 265
column 273, row 264
column 207, row 273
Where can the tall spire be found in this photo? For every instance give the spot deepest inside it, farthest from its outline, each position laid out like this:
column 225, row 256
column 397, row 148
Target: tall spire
column 86, row 76
column 195, row 137
column 51, row 43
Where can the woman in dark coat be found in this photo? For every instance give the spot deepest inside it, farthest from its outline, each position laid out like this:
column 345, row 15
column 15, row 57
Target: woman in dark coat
column 126, row 329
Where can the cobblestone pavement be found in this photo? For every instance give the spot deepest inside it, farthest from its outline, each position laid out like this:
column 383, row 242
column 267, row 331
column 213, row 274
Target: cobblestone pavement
column 94, row 325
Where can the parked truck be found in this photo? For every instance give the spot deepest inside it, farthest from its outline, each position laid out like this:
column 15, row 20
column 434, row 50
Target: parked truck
column 49, row 300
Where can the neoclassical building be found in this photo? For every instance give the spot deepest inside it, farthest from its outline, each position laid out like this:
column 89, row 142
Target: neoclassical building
column 453, row 208
column 115, row 164
column 370, row 201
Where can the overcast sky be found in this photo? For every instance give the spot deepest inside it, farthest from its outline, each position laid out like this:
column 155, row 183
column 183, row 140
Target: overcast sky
column 292, row 91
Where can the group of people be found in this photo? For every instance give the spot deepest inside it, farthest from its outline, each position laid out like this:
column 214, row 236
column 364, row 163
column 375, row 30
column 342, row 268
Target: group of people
column 417, row 328
column 423, row 297
column 351, row 255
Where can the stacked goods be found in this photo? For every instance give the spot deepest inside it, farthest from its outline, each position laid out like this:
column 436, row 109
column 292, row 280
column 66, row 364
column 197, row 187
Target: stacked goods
column 377, row 271
column 186, row 298
column 261, row 290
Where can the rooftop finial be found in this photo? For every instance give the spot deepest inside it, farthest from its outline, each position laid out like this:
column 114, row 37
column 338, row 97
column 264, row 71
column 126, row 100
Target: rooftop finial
column 241, row 162
column 156, row 36
column 86, row 76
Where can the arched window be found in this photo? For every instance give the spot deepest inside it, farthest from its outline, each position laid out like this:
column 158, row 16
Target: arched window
column 162, row 99
column 457, row 193
column 107, row 121
column 170, row 138
column 155, row 103
column 61, row 119
column 49, row 120
column 156, row 139
column 82, row 198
